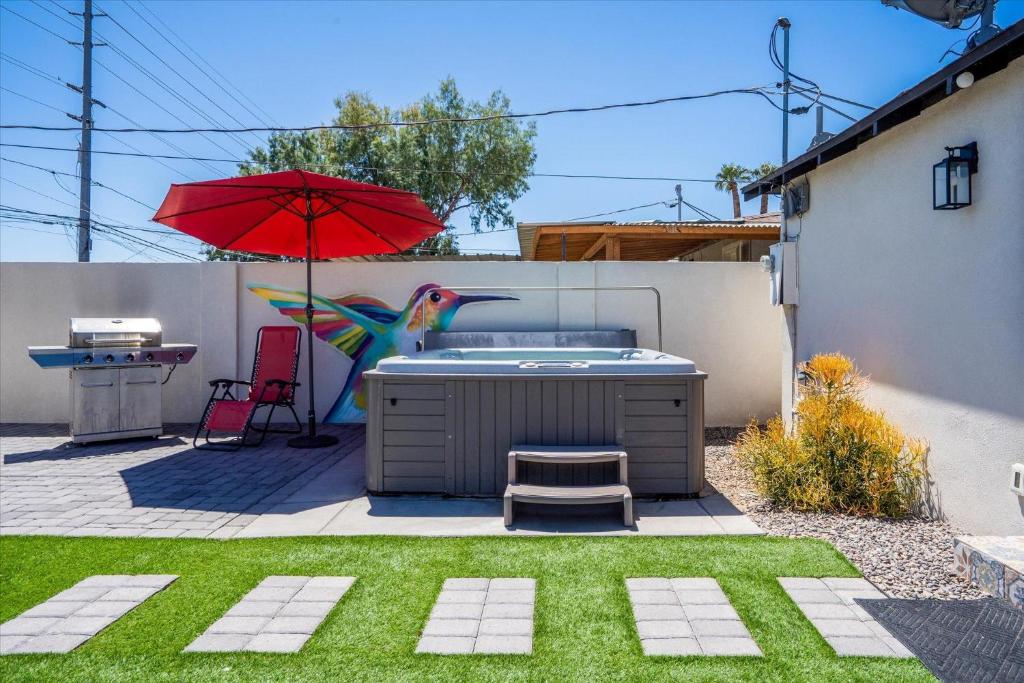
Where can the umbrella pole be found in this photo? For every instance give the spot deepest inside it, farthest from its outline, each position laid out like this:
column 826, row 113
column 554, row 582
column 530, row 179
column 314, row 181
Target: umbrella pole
column 311, row 439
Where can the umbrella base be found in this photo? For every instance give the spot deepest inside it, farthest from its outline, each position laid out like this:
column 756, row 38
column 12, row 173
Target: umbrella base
column 318, row 441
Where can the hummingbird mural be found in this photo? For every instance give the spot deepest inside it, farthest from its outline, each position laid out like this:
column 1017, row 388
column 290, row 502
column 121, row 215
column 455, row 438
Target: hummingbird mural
column 367, row 329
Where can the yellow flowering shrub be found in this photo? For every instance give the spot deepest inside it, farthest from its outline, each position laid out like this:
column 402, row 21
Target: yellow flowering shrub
column 841, row 455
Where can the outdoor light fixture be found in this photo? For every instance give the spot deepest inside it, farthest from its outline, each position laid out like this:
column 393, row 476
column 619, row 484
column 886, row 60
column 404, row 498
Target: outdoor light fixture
column 951, row 177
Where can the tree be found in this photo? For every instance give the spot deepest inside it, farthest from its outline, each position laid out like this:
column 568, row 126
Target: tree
column 728, row 179
column 480, row 167
column 765, row 169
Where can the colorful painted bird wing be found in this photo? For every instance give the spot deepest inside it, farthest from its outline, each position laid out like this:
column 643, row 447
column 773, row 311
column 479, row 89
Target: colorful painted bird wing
column 348, row 322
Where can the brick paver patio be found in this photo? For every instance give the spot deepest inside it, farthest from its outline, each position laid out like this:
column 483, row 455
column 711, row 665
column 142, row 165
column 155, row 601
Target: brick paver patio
column 165, row 488
column 153, row 488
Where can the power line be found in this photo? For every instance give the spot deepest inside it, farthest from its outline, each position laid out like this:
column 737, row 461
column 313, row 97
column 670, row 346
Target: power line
column 58, row 81
column 584, row 176
column 134, row 63
column 36, row 24
column 198, row 68
column 610, row 213
column 181, row 40
column 182, row 77
column 136, row 244
column 14, row 61
column 96, row 183
column 92, row 221
column 158, row 105
column 140, row 153
column 130, row 85
column 172, row 234
column 32, row 99
column 759, row 91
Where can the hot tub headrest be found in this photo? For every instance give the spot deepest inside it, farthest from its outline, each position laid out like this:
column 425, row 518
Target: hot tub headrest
column 616, row 339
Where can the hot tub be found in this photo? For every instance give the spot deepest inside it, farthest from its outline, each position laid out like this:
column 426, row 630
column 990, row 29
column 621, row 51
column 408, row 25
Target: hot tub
column 477, row 361
column 444, row 420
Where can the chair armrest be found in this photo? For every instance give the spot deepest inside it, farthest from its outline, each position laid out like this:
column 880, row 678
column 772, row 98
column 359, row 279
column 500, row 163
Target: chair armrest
column 282, row 383
column 228, row 382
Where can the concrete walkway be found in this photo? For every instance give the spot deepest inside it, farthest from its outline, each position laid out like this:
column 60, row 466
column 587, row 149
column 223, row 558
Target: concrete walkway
column 165, row 488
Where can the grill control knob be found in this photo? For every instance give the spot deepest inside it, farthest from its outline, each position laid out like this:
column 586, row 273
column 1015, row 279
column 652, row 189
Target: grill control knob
column 149, row 356
column 179, row 357
column 87, row 359
column 129, row 357
column 109, row 358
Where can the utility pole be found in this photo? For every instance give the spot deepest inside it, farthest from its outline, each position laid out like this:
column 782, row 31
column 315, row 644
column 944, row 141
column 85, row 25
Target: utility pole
column 85, row 151
column 679, row 203
column 784, row 25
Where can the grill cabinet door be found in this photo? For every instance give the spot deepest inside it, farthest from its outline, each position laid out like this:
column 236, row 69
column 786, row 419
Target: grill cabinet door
column 94, row 404
column 140, row 398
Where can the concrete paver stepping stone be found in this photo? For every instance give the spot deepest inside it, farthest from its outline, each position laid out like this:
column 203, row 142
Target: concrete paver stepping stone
column 687, row 616
column 481, row 616
column 829, row 605
column 75, row 615
column 278, row 615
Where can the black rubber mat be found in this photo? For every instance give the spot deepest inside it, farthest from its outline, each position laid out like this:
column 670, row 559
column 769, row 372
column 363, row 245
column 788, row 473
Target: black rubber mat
column 975, row 641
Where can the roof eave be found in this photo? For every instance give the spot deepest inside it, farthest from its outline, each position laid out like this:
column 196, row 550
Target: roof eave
column 985, row 60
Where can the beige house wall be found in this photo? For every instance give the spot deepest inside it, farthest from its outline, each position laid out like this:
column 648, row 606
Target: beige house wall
column 930, row 303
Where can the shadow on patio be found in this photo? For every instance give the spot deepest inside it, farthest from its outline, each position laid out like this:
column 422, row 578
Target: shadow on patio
column 253, row 480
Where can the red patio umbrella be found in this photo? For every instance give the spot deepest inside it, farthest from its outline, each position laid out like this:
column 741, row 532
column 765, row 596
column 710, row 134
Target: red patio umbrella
column 300, row 214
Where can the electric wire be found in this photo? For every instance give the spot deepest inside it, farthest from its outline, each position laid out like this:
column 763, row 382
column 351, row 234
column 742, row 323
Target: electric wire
column 199, row 56
column 368, row 168
column 37, row 24
column 138, row 66
column 94, row 183
column 32, row 99
column 123, row 80
column 773, row 54
column 14, row 61
column 199, row 69
column 116, row 229
column 757, row 90
column 176, row 72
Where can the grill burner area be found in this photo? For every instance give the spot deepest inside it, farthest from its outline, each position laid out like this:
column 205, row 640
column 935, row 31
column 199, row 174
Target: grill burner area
column 115, row 373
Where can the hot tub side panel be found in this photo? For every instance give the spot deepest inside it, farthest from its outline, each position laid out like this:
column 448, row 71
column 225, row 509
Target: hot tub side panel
column 405, row 435
column 452, row 434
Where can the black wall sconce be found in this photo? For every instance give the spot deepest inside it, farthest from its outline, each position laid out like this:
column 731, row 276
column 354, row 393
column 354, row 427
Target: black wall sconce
column 951, row 177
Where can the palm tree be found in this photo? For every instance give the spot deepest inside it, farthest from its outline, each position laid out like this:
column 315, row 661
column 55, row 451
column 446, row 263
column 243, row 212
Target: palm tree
column 728, row 179
column 765, row 169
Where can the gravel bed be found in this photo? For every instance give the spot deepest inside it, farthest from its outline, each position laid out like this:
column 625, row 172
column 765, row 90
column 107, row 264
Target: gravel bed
column 906, row 558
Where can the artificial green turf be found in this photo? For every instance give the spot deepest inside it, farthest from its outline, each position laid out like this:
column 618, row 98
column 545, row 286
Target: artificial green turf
column 583, row 630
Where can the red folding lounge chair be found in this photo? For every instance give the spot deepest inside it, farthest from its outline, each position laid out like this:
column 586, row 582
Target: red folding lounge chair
column 272, row 385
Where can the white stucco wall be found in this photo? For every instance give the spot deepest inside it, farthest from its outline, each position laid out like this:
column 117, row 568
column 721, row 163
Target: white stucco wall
column 930, row 303
column 714, row 313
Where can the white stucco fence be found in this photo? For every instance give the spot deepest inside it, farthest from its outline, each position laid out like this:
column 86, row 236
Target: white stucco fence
column 716, row 314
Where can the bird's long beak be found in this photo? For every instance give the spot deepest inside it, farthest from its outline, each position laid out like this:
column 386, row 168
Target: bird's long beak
column 464, row 299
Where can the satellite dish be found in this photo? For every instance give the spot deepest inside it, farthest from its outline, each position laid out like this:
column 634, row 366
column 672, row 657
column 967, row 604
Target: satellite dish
column 952, row 13
column 949, row 13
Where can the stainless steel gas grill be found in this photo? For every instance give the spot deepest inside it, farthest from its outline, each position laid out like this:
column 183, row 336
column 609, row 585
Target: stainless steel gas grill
column 115, row 370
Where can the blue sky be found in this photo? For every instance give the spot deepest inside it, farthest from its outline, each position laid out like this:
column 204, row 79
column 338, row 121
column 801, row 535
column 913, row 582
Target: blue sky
column 293, row 58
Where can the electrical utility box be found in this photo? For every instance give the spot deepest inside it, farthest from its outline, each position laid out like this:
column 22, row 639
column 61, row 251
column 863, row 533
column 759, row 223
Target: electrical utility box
column 783, row 264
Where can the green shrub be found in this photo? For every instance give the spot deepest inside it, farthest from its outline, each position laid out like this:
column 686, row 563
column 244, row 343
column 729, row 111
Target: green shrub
column 841, row 456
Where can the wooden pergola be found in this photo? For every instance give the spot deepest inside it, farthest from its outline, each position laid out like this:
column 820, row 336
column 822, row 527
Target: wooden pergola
column 606, row 241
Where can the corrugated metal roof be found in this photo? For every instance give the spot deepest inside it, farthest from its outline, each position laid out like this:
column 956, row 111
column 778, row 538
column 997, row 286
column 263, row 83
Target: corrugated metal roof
column 528, row 231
